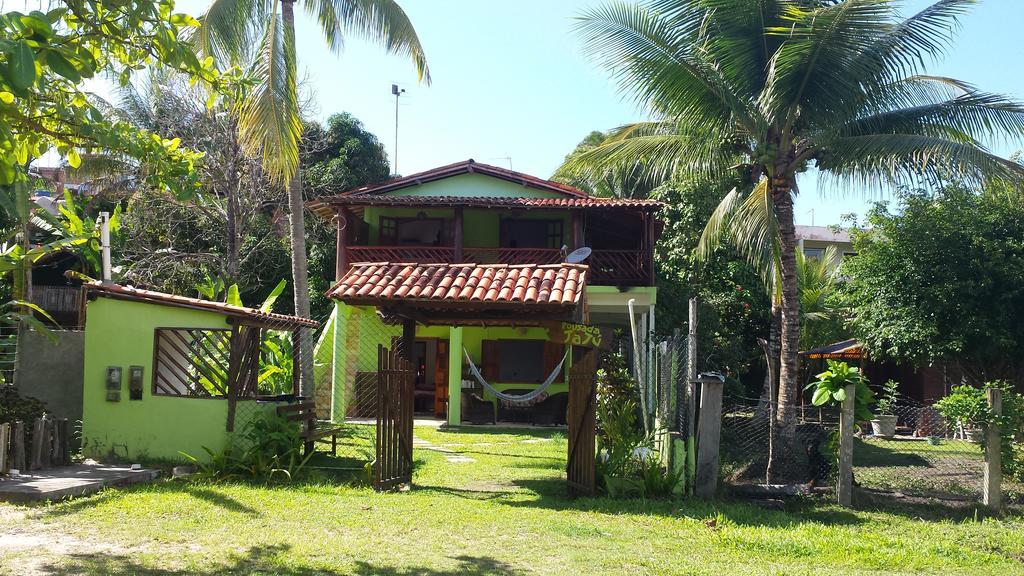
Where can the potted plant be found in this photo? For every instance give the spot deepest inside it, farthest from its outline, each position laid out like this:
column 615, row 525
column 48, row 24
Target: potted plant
column 966, row 409
column 830, row 387
column 883, row 424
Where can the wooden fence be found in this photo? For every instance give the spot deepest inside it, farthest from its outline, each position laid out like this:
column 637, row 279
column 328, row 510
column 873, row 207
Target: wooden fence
column 48, row 444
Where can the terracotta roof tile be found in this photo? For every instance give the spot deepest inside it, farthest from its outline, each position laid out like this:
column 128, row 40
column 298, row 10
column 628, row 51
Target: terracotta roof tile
column 326, row 205
column 379, row 282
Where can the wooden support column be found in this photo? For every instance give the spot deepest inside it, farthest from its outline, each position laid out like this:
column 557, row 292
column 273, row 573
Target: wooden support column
column 341, row 261
column 458, row 235
column 408, row 339
column 992, row 489
column 296, row 360
column 709, row 435
column 846, row 417
column 649, row 229
column 577, row 229
column 455, row 376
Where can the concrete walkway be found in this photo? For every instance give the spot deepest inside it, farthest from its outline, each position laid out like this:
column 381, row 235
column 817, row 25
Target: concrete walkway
column 69, row 481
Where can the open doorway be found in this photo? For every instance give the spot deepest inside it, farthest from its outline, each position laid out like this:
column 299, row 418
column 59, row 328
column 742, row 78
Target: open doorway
column 430, row 387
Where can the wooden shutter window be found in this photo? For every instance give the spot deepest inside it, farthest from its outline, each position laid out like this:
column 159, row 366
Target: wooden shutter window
column 553, row 352
column 490, row 360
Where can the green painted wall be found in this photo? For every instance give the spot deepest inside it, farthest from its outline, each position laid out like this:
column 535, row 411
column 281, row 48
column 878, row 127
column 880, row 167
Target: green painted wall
column 467, row 185
column 120, row 333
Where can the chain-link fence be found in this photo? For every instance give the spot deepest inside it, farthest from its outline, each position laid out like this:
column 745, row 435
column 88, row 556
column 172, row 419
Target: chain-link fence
column 915, row 453
column 807, row 458
column 335, row 381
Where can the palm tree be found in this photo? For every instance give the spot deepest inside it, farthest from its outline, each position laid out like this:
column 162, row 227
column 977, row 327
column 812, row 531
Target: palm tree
column 837, row 85
column 269, row 121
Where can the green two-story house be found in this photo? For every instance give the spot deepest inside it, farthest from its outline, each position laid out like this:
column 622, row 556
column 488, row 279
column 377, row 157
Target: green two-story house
column 483, row 254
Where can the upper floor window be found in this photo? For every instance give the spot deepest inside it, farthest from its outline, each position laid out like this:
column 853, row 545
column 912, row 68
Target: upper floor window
column 521, row 233
column 814, row 253
column 417, row 231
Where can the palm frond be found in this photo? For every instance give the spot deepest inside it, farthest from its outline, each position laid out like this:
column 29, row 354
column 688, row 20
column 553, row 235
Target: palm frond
column 229, row 29
column 268, row 117
column 977, row 115
column 747, row 221
column 659, row 62
column 380, row 21
column 661, row 148
column 875, row 160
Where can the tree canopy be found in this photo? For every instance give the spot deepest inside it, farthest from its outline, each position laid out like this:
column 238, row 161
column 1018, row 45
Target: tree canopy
column 942, row 280
column 341, row 156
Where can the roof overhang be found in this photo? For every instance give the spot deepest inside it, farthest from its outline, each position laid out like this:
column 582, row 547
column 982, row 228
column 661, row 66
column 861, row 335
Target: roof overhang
column 465, row 293
column 235, row 314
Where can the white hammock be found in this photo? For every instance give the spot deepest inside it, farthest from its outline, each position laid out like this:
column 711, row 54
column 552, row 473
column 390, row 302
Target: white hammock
column 513, row 398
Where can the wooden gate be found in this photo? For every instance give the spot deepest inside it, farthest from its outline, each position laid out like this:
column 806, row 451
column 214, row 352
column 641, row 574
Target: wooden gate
column 582, row 425
column 395, row 377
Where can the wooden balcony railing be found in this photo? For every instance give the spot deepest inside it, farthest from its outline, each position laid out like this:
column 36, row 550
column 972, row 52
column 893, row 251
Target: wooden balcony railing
column 607, row 267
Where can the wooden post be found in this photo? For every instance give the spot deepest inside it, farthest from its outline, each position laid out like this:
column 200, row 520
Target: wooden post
column 846, row 416
column 65, row 445
column 992, row 489
column 5, row 439
column 577, row 229
column 408, row 339
column 708, row 435
column 18, row 446
column 691, row 397
column 341, row 260
column 457, row 257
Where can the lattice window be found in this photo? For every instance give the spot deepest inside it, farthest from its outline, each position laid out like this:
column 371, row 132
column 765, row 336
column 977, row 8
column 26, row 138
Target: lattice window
column 191, row 362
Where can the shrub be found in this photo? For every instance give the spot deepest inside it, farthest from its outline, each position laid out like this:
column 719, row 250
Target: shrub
column 274, row 451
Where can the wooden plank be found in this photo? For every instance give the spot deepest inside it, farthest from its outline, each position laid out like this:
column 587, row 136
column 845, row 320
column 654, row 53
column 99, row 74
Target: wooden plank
column 992, row 486
column 5, row 442
column 709, row 430
column 580, row 467
column 18, row 446
column 300, row 407
column 846, row 421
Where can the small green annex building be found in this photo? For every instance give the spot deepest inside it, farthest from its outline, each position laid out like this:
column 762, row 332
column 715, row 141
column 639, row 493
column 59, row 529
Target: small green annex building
column 166, row 375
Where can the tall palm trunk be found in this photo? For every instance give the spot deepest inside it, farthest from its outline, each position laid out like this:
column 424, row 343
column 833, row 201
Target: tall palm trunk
column 789, row 333
column 297, row 232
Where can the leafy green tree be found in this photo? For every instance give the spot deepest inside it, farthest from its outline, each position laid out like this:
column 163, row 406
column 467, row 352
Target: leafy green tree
column 45, row 58
column 939, row 281
column 341, row 156
column 269, row 121
column 785, row 86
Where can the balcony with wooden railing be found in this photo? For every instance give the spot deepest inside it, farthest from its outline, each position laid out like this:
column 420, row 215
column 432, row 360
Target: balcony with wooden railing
column 607, row 267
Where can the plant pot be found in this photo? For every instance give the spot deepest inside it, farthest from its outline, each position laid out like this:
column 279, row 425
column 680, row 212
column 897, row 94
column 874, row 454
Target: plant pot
column 884, row 426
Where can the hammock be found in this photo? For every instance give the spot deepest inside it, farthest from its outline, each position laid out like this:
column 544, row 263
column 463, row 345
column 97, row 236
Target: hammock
column 513, row 398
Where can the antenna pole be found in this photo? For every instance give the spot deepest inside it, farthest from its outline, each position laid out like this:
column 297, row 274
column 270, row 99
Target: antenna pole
column 397, row 92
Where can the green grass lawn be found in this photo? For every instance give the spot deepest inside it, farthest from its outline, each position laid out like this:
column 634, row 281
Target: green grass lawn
column 498, row 508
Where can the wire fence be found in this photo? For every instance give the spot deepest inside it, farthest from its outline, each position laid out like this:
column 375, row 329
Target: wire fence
column 915, row 453
column 336, row 378
column 746, row 446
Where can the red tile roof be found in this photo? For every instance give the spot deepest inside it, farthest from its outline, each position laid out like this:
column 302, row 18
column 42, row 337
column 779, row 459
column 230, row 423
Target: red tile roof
column 135, row 294
column 378, row 195
column 374, row 283
column 465, row 167
column 323, row 206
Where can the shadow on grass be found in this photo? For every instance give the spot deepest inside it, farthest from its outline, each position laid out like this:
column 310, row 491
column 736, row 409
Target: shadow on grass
column 870, row 454
column 552, row 494
column 267, row 560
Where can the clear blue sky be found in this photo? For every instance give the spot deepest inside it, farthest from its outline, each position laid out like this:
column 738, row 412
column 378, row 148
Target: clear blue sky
column 510, row 81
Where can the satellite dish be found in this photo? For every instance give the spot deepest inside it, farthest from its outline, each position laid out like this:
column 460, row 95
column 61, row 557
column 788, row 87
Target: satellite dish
column 578, row 255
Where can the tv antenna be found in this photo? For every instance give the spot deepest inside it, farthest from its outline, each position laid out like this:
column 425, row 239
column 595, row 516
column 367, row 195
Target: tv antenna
column 396, row 91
